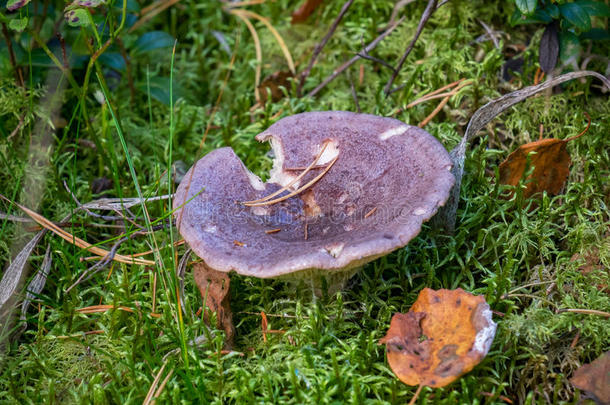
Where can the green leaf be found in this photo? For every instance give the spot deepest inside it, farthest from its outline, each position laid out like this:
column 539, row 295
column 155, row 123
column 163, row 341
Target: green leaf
column 527, row 7
column 576, row 15
column 596, row 34
column 553, row 10
column 151, row 41
column 113, row 60
column 569, row 47
column 12, row 5
column 595, row 8
column 540, row 16
column 77, row 17
column 18, row 24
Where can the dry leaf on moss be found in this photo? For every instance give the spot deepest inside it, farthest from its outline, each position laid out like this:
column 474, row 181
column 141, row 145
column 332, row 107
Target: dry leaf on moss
column 550, row 160
column 443, row 336
column 214, row 288
column 594, row 378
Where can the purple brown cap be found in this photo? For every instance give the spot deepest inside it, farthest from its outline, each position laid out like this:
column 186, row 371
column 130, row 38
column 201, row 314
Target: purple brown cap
column 386, row 180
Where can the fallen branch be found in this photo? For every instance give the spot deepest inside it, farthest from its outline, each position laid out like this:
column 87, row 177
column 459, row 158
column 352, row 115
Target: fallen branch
column 353, row 60
column 430, row 8
column 318, row 49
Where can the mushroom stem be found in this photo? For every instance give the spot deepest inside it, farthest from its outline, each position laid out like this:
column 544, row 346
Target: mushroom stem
column 298, row 191
column 299, row 177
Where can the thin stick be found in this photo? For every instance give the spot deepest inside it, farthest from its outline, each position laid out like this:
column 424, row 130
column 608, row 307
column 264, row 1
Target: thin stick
column 435, row 94
column 353, row 60
column 270, row 231
column 430, row 8
column 287, row 196
column 438, row 108
column 306, row 226
column 318, row 49
column 586, row 312
column 153, row 386
column 160, row 389
column 371, row 212
column 299, row 177
column 416, row 395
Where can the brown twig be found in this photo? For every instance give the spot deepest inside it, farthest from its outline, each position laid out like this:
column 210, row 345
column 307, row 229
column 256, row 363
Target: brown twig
column 318, row 49
column 416, row 395
column 11, row 54
column 353, row 60
column 371, row 212
column 270, row 231
column 430, row 8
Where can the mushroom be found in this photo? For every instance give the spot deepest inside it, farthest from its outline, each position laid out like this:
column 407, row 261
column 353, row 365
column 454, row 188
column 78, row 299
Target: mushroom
column 345, row 189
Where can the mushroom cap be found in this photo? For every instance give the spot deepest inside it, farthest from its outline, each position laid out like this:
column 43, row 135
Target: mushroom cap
column 387, row 180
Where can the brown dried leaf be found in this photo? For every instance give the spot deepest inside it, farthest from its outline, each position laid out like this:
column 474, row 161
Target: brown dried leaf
column 594, row 378
column 273, row 84
column 443, row 336
column 214, row 288
column 306, row 9
column 551, row 163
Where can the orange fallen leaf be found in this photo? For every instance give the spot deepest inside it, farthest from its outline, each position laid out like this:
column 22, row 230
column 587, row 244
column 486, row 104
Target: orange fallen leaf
column 594, row 378
column 214, row 288
column 306, row 9
column 443, row 336
column 551, row 163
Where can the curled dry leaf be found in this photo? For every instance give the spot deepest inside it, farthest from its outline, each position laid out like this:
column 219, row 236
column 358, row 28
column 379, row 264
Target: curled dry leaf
column 214, row 288
column 443, row 336
column 594, row 378
column 551, row 163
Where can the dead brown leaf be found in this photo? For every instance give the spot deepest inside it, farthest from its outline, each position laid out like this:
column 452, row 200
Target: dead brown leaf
column 306, row 9
column 443, row 336
column 214, row 288
column 551, row 163
column 594, row 378
column 272, row 86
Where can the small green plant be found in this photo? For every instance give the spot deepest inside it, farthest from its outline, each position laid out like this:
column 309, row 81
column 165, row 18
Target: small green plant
column 568, row 25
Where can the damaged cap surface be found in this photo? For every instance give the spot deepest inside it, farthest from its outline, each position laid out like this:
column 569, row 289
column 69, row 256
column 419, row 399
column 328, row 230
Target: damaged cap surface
column 386, row 179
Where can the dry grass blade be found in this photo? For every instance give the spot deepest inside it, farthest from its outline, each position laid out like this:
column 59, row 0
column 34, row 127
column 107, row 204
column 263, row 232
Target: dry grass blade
column 257, row 48
column 278, row 37
column 45, row 223
column 296, row 192
column 299, row 177
column 163, row 383
column 153, row 387
column 94, row 309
